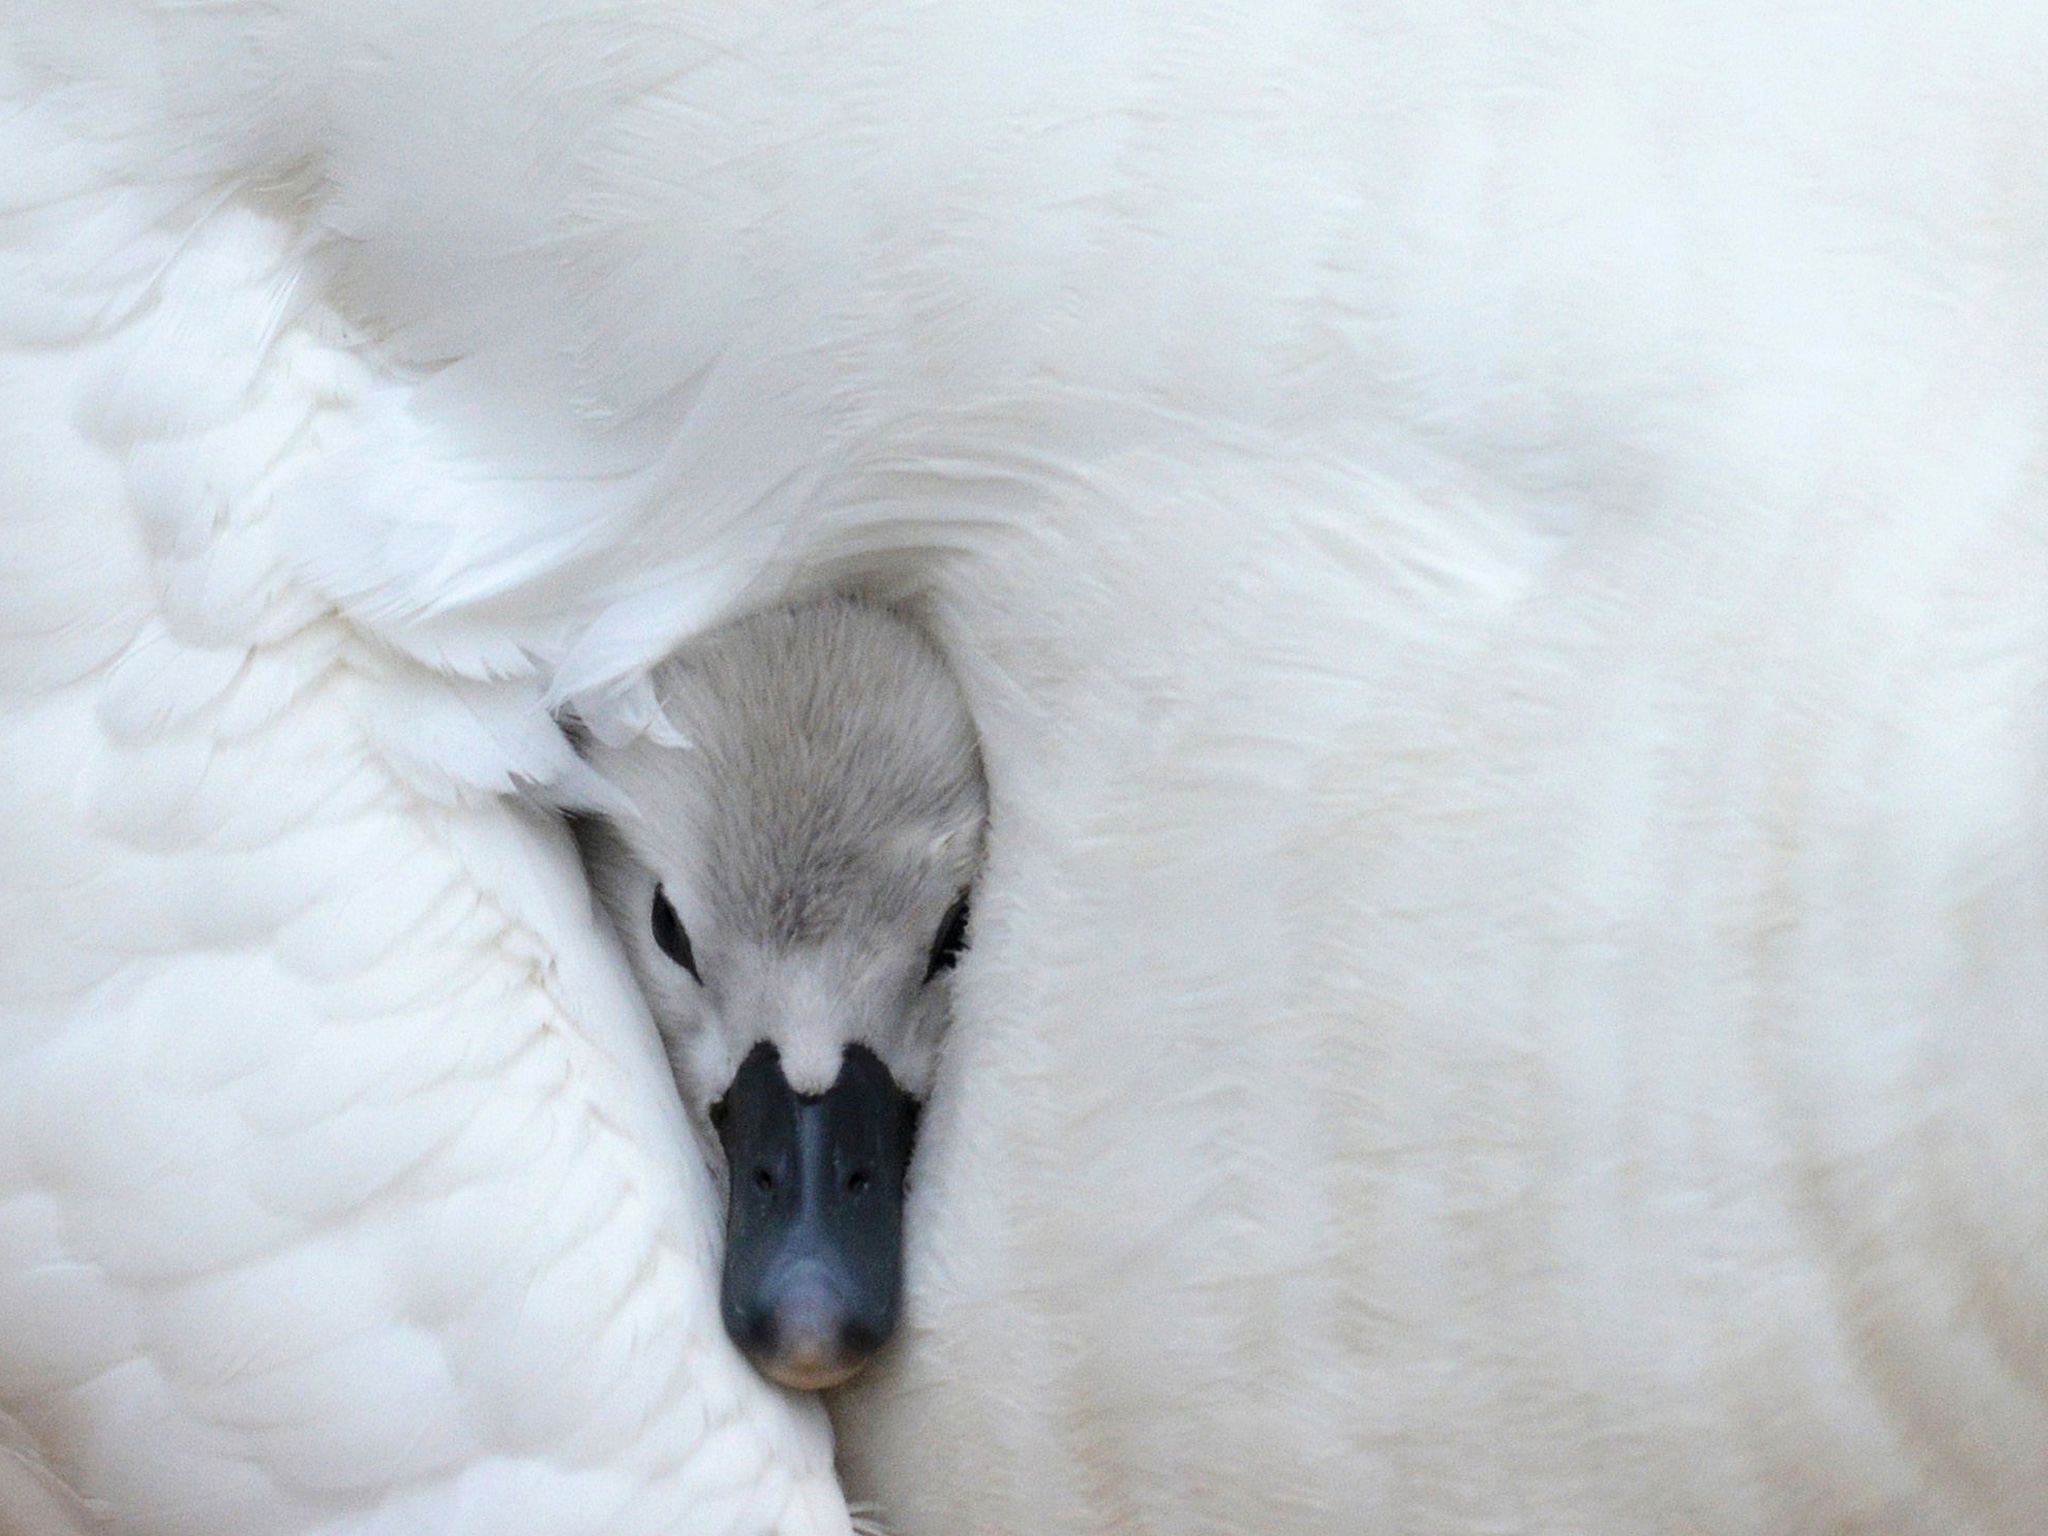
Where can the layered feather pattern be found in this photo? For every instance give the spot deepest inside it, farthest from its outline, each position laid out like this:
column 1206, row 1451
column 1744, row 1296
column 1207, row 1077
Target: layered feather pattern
column 340, row 1185
column 1498, row 555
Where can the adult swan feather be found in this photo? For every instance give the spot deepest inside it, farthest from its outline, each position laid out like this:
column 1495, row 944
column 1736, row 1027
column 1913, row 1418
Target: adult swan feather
column 1498, row 559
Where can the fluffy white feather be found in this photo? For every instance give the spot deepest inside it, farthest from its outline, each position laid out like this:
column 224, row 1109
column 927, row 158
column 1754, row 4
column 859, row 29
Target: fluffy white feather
column 340, row 1185
column 1498, row 559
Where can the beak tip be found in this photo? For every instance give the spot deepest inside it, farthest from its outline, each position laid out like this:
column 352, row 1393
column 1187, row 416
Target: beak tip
column 803, row 1372
column 807, row 1339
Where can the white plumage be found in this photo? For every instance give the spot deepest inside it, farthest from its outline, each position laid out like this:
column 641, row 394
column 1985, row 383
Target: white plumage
column 1498, row 560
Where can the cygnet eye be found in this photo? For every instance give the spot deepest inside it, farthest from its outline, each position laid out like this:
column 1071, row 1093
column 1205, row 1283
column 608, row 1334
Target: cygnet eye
column 951, row 939
column 668, row 933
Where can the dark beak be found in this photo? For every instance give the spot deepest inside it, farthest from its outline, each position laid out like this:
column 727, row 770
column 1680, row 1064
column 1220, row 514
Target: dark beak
column 814, row 1229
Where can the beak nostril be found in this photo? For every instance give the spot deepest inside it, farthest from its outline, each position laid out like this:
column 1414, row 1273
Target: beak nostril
column 764, row 1178
column 856, row 1181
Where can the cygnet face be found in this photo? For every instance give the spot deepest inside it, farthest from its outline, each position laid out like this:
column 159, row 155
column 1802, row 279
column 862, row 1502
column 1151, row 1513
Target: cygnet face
column 792, row 891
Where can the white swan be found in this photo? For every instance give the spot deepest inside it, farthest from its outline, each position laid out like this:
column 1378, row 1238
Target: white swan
column 1497, row 559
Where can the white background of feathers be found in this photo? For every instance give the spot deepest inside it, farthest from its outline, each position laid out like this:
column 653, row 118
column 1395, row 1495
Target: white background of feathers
column 1499, row 557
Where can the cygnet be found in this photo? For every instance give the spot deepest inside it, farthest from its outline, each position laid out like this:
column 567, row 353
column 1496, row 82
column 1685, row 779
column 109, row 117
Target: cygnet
column 789, row 870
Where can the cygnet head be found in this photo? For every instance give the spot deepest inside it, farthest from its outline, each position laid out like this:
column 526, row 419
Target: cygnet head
column 791, row 885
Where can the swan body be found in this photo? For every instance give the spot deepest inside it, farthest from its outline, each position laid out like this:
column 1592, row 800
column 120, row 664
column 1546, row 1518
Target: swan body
column 1497, row 560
